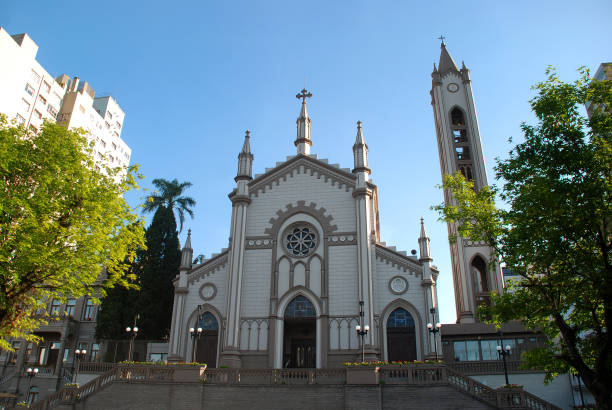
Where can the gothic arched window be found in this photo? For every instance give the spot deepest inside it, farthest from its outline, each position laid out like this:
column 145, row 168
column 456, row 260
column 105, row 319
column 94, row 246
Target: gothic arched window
column 479, row 275
column 208, row 322
column 300, row 308
column 401, row 336
column 457, row 117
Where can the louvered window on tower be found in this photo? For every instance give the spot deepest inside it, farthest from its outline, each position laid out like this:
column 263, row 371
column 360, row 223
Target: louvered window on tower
column 460, row 135
column 462, row 153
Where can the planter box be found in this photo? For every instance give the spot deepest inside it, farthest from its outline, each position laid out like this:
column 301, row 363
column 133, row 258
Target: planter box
column 188, row 373
column 362, row 375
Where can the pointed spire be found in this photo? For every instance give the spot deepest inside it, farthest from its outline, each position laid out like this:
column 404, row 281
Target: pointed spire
column 360, row 152
column 245, row 159
column 424, row 245
column 446, row 61
column 302, row 140
column 187, row 253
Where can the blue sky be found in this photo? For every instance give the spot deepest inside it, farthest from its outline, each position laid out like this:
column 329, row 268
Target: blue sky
column 193, row 76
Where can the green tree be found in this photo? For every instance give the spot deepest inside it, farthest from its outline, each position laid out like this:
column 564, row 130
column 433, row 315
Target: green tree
column 557, row 231
column 169, row 196
column 61, row 220
column 159, row 265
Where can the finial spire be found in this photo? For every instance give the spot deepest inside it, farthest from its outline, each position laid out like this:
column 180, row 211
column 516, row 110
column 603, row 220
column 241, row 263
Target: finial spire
column 303, row 141
column 424, row 246
column 187, row 253
column 245, row 159
column 246, row 147
column 360, row 152
column 442, row 38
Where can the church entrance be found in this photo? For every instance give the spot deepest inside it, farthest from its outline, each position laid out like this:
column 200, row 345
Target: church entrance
column 401, row 336
column 207, row 343
column 300, row 334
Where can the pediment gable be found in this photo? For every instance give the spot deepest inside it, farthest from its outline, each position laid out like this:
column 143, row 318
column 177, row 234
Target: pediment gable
column 340, row 177
column 207, row 268
column 398, row 259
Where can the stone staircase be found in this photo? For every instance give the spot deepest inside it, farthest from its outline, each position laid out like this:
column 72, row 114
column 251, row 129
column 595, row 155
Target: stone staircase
column 165, row 387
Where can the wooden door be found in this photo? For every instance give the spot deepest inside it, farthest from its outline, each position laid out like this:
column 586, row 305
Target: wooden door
column 207, row 348
column 401, row 344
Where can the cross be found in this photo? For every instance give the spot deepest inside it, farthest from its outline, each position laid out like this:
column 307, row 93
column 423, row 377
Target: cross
column 441, row 38
column 303, row 95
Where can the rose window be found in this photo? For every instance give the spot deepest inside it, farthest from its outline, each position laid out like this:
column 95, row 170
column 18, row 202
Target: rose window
column 300, row 240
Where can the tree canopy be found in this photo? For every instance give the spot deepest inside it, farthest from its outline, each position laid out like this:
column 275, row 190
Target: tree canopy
column 557, row 231
column 168, row 194
column 62, row 218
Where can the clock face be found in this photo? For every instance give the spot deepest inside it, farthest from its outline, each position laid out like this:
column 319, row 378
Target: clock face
column 398, row 285
column 453, row 88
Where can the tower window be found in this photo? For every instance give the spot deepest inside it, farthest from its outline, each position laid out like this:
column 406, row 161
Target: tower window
column 479, row 275
column 460, row 135
column 463, row 152
column 457, row 117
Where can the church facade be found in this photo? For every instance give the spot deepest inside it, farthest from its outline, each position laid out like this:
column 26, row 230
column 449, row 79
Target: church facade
column 305, row 274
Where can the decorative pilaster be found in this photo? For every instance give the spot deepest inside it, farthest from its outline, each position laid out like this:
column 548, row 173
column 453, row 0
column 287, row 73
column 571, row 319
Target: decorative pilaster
column 363, row 208
column 178, row 330
column 230, row 355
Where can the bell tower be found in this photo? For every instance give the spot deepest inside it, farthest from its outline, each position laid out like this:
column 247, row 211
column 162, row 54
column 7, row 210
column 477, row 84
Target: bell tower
column 460, row 149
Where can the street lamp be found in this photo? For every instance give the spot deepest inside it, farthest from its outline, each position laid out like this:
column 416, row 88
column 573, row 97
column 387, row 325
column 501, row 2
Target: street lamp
column 434, row 329
column 78, row 355
column 360, row 332
column 133, row 332
column 195, row 336
column 503, row 352
column 30, row 373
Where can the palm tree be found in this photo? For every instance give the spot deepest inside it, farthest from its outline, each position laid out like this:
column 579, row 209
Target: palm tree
column 168, row 194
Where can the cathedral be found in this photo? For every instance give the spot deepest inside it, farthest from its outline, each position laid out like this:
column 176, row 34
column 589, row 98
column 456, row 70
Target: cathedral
column 306, row 281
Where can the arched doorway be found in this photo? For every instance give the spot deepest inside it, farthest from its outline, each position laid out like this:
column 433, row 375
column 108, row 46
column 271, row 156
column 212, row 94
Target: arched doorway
column 300, row 334
column 207, row 343
column 401, row 336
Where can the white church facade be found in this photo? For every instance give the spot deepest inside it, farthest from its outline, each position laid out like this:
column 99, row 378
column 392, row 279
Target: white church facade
column 306, row 268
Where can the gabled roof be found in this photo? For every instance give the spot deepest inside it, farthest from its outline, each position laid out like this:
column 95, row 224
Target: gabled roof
column 399, row 259
column 342, row 177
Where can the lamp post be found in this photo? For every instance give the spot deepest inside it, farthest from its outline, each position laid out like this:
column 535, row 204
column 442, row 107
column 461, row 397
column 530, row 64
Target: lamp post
column 362, row 330
column 503, row 352
column 30, row 373
column 434, row 329
column 78, row 355
column 132, row 331
column 196, row 332
column 195, row 336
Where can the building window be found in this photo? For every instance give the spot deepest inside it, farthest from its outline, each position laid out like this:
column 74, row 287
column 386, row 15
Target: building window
column 12, row 359
column 488, row 349
column 300, row 308
column 82, row 109
column 46, row 87
column 479, row 275
column 66, row 354
column 20, row 119
column 38, row 114
column 466, row 350
column 90, row 310
column 107, row 125
column 35, row 77
column 457, row 117
column 28, row 352
column 70, row 305
column 32, row 395
column 95, row 351
column 117, row 124
column 25, row 105
column 300, row 240
column 110, row 116
column 462, row 152
column 42, row 99
column 55, row 307
column 159, row 357
column 51, row 110
column 33, row 129
column 29, row 89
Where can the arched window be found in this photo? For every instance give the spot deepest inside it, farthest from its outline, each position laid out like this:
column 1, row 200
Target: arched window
column 479, row 275
column 401, row 336
column 469, row 174
column 457, row 117
column 208, row 322
column 300, row 308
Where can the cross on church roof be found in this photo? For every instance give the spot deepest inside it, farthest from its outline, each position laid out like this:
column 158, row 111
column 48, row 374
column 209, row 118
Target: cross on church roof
column 441, row 38
column 303, row 95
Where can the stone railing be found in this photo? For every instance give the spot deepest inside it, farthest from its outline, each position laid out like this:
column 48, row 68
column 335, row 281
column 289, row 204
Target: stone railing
column 419, row 374
column 489, row 367
column 415, row 375
column 95, row 367
column 275, row 376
